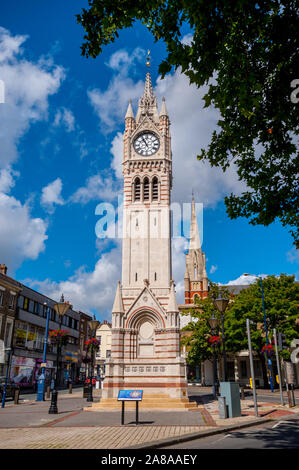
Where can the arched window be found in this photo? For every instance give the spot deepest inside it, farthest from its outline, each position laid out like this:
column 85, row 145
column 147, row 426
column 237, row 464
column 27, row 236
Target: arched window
column 137, row 190
column 146, row 189
column 155, row 189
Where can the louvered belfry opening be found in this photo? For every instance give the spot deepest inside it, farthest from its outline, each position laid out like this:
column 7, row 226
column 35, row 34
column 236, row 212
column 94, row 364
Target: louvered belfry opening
column 155, row 190
column 137, row 190
column 146, row 189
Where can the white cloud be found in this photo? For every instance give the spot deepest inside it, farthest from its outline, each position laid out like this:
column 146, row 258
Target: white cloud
column 22, row 237
column 65, row 117
column 293, row 255
column 7, row 179
column 98, row 187
column 28, row 86
column 244, row 280
column 213, row 269
column 51, row 195
column 110, row 105
column 88, row 290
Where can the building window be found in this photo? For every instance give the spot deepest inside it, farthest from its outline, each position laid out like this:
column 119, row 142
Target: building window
column 31, row 306
column 26, row 303
column 21, row 301
column 137, row 190
column 108, row 353
column 136, row 277
column 243, row 365
column 146, row 189
column 36, row 308
column 155, row 276
column 11, row 301
column 155, row 189
column 1, row 298
column 7, row 336
column 257, row 368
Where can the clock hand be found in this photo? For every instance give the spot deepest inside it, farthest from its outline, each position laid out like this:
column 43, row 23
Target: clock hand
column 144, row 141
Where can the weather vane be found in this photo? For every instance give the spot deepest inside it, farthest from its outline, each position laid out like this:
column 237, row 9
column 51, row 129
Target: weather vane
column 148, row 59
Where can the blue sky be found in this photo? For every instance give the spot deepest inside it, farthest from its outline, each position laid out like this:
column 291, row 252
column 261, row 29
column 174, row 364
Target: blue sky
column 60, row 150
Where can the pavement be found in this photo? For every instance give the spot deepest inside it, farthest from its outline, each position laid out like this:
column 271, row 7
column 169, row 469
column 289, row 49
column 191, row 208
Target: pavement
column 28, row 425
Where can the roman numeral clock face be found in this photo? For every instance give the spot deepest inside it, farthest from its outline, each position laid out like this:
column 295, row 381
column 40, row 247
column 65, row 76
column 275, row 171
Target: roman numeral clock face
column 146, row 144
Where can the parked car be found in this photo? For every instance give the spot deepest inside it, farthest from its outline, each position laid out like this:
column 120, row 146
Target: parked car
column 11, row 388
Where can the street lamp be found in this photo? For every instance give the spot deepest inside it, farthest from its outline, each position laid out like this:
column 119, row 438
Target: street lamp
column 213, row 322
column 61, row 308
column 93, row 325
column 265, row 321
column 221, row 305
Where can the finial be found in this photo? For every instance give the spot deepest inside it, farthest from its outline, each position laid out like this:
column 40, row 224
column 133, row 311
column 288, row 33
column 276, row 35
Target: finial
column 148, row 59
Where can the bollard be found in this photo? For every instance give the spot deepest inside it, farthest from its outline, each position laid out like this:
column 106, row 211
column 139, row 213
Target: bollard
column 48, row 391
column 70, row 388
column 17, row 394
column 291, row 398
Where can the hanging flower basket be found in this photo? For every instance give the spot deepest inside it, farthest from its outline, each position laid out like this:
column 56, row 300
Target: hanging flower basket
column 214, row 340
column 268, row 349
column 92, row 344
column 58, row 337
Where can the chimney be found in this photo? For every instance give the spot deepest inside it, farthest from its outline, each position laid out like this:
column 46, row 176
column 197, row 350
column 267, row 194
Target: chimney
column 3, row 269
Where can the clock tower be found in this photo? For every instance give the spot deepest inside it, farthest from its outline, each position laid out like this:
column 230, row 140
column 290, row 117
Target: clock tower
column 145, row 351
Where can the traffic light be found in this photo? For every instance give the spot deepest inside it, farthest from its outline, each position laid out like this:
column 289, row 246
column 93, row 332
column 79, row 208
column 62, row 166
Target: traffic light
column 282, row 341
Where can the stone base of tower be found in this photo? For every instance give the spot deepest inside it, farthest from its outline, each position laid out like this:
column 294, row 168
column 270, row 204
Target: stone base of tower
column 163, row 383
column 150, row 401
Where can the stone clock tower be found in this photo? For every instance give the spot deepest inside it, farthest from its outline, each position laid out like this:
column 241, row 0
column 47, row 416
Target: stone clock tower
column 145, row 352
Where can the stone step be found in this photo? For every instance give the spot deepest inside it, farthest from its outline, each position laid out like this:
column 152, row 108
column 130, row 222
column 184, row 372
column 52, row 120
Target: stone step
column 151, row 402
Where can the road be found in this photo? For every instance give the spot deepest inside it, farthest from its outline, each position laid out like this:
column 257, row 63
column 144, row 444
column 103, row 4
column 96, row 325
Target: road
column 282, row 434
column 266, row 397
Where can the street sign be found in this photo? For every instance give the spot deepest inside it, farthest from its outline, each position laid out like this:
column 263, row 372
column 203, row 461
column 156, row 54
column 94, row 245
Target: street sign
column 134, row 395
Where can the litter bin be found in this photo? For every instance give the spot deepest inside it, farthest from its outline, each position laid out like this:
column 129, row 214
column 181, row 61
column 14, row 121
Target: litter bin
column 85, row 391
column 231, row 392
column 222, row 407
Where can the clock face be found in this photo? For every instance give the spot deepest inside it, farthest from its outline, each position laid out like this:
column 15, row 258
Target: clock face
column 146, row 144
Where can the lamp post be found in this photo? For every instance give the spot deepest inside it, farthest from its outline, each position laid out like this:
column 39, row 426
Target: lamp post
column 93, row 325
column 213, row 322
column 266, row 330
column 60, row 308
column 41, row 381
column 221, row 305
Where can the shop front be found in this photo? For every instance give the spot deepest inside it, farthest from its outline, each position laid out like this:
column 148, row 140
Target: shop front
column 24, row 371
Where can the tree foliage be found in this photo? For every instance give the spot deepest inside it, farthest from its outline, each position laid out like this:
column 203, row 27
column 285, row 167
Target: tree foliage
column 251, row 48
column 197, row 342
column 281, row 296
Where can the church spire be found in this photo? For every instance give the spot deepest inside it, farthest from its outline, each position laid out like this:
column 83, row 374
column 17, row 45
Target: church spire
column 194, row 233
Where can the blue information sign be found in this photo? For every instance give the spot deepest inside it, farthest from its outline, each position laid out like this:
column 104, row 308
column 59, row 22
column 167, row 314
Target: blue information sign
column 135, row 395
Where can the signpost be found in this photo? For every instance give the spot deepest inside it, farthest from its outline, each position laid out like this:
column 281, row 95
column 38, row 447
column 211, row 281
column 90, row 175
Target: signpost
column 129, row 395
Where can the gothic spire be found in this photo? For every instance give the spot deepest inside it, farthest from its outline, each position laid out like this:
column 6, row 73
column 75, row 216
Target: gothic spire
column 163, row 111
column 148, row 102
column 118, row 306
column 172, row 303
column 194, row 243
column 129, row 113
